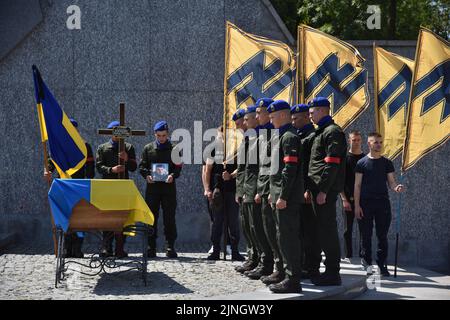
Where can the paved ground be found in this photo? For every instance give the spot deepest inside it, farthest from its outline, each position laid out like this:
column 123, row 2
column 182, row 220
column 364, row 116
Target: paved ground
column 412, row 283
column 28, row 273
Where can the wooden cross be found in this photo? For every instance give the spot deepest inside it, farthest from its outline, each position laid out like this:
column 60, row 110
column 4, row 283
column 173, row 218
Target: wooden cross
column 121, row 132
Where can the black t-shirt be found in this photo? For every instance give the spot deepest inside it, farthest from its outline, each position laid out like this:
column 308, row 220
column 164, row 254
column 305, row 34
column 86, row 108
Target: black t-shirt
column 216, row 180
column 374, row 179
column 350, row 164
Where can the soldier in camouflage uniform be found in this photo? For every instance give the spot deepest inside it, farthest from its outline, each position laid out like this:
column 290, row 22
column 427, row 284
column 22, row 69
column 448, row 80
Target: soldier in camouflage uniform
column 286, row 186
column 73, row 243
column 326, row 180
column 109, row 168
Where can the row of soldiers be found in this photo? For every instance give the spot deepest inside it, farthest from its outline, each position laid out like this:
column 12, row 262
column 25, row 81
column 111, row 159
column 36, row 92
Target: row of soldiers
column 289, row 216
column 158, row 193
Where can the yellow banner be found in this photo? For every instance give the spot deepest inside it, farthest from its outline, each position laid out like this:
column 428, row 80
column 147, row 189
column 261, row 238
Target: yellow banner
column 428, row 122
column 255, row 67
column 392, row 83
column 331, row 68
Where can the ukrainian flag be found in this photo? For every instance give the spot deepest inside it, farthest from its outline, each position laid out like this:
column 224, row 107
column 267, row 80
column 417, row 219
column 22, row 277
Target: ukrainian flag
column 428, row 122
column 105, row 194
column 392, row 83
column 67, row 148
column 331, row 68
column 255, row 67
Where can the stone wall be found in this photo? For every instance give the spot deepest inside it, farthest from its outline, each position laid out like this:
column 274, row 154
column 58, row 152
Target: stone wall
column 165, row 60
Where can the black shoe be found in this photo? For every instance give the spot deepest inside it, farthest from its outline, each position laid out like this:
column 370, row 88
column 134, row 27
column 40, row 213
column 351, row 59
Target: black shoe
column 257, row 273
column 106, row 253
column 120, row 254
column 171, row 253
column 383, row 269
column 215, row 255
column 236, row 256
column 151, row 253
column 78, row 254
column 327, row 279
column 286, row 286
column 246, row 267
column 275, row 277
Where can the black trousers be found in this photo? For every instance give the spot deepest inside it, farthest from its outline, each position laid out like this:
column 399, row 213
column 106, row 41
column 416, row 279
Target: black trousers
column 311, row 252
column 349, row 217
column 72, row 243
column 230, row 211
column 328, row 233
column 378, row 210
column 168, row 203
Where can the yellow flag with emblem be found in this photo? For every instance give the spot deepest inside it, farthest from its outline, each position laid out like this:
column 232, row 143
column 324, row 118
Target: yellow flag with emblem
column 255, row 67
column 428, row 122
column 392, row 86
column 331, row 68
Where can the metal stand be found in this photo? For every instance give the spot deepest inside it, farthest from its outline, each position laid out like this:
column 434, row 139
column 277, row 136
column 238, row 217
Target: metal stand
column 100, row 264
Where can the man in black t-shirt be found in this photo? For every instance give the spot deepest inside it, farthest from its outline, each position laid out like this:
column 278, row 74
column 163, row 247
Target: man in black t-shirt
column 353, row 156
column 220, row 189
column 373, row 175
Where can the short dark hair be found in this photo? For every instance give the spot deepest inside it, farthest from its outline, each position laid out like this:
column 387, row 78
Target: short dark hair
column 374, row 135
column 355, row 133
column 220, row 128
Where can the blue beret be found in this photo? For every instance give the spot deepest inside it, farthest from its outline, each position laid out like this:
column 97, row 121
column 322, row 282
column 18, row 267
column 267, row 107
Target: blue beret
column 263, row 102
column 161, row 126
column 238, row 114
column 74, row 123
column 113, row 124
column 250, row 109
column 300, row 108
column 278, row 105
column 319, row 102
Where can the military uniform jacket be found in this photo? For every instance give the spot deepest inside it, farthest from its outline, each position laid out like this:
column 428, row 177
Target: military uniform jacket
column 151, row 154
column 86, row 172
column 251, row 169
column 108, row 157
column 240, row 176
column 306, row 139
column 327, row 164
column 263, row 184
column 287, row 182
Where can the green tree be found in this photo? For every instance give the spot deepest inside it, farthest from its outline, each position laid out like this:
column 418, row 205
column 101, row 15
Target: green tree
column 346, row 19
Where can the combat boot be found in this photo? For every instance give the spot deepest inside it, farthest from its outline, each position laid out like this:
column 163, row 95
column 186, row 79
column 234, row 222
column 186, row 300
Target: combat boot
column 275, row 277
column 288, row 285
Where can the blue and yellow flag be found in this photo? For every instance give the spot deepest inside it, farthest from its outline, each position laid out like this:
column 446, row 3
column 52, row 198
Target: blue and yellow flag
column 331, row 68
column 392, row 84
column 428, row 122
column 106, row 195
column 67, row 148
column 255, row 67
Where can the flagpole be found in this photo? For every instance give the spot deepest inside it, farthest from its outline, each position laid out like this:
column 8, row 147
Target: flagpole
column 55, row 241
column 397, row 226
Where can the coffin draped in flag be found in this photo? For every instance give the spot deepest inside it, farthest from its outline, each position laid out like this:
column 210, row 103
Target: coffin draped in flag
column 392, row 83
column 67, row 149
column 331, row 68
column 107, row 194
column 428, row 123
column 255, row 67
